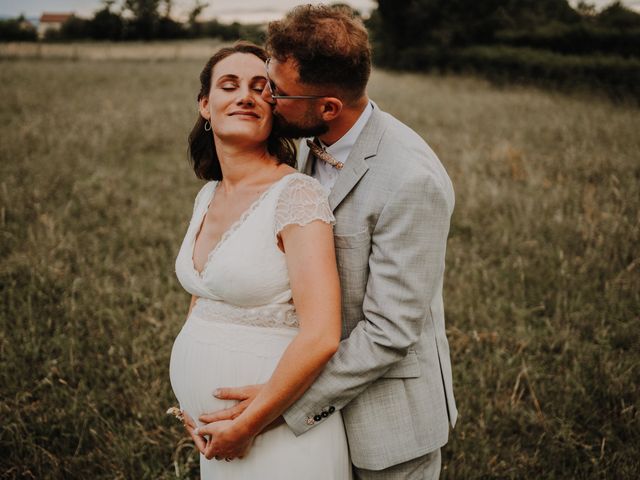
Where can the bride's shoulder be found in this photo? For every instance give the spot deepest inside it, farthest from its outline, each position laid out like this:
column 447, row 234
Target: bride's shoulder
column 207, row 187
column 205, row 192
column 302, row 183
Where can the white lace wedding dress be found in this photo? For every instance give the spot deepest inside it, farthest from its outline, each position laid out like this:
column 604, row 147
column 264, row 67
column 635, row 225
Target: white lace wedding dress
column 241, row 324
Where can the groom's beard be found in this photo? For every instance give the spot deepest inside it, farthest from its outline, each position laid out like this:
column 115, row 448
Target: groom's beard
column 283, row 128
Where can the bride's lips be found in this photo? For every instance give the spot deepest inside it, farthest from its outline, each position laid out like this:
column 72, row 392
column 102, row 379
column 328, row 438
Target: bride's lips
column 244, row 113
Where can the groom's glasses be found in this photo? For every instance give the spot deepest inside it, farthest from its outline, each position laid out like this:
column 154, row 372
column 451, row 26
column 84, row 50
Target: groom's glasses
column 281, row 96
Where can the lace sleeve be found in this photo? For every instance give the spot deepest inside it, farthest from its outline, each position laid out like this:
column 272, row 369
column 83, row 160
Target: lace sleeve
column 302, row 201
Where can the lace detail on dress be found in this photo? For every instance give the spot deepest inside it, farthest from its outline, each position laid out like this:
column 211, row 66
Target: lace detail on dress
column 232, row 229
column 302, row 201
column 278, row 315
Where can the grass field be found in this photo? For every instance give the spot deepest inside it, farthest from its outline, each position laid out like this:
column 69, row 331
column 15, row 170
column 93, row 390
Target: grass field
column 542, row 284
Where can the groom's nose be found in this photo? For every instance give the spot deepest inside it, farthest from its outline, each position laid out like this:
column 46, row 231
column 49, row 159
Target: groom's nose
column 267, row 94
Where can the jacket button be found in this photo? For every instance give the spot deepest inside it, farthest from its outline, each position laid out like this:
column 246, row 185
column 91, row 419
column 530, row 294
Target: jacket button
column 325, row 414
column 332, row 409
column 317, row 418
column 310, row 421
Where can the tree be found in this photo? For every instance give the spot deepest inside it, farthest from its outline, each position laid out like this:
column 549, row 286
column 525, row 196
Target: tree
column 168, row 6
column 194, row 26
column 105, row 24
column 454, row 23
column 586, row 9
column 145, row 17
column 17, row 29
column 618, row 16
column 74, row 28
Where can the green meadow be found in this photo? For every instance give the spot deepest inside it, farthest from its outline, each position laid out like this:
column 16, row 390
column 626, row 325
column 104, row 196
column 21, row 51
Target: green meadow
column 542, row 287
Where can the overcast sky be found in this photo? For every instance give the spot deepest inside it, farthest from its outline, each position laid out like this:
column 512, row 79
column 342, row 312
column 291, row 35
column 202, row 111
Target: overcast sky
column 225, row 10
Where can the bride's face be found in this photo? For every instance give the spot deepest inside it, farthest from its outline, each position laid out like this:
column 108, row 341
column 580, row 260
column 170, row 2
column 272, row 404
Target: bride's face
column 235, row 107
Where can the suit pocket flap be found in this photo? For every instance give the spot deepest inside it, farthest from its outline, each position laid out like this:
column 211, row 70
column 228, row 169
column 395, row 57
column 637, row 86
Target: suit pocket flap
column 408, row 367
column 351, row 240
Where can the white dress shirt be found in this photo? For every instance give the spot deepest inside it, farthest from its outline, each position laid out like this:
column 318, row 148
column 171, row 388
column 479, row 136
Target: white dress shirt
column 340, row 150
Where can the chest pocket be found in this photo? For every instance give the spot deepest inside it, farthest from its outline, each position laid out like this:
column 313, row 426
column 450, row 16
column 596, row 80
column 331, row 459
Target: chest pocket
column 352, row 254
column 353, row 250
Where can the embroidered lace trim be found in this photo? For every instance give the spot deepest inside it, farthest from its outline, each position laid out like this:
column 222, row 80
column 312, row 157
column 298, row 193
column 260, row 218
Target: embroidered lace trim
column 280, row 315
column 232, row 229
column 302, row 201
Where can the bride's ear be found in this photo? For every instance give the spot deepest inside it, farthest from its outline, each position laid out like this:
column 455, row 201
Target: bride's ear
column 203, row 107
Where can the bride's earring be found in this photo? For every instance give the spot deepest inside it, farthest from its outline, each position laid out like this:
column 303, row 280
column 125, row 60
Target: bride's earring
column 207, row 126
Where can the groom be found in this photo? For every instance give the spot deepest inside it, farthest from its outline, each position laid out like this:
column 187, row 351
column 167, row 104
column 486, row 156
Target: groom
column 392, row 200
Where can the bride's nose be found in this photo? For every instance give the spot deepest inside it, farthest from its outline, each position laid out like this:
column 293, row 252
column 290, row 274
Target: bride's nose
column 245, row 97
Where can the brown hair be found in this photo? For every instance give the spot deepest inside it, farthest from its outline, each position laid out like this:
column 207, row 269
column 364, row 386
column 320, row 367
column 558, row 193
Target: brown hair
column 330, row 46
column 202, row 150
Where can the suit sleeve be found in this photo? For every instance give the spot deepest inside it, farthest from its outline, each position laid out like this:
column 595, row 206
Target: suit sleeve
column 406, row 266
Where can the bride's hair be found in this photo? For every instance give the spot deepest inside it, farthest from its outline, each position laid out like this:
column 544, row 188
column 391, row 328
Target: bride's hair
column 202, row 150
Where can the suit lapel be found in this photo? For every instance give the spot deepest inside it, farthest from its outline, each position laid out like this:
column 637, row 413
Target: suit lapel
column 355, row 167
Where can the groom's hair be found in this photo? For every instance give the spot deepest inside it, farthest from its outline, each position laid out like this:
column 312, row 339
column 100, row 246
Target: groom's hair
column 330, row 46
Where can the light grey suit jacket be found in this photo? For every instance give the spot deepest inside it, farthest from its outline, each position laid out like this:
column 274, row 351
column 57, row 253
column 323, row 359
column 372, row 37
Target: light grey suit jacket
column 391, row 376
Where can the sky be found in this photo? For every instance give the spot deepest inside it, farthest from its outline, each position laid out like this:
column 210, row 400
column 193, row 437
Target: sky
column 225, row 10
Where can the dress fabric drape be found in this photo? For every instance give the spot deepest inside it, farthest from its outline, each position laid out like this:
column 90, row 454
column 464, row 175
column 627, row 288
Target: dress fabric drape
column 241, row 324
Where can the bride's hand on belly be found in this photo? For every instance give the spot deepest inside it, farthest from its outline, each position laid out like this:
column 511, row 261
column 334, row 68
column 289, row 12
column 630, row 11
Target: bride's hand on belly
column 190, row 427
column 226, row 440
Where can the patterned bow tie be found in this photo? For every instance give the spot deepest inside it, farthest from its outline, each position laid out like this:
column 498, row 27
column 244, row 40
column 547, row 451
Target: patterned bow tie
column 323, row 155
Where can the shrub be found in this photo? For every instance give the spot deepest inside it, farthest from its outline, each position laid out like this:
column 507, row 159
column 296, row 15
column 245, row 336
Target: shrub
column 17, row 29
column 575, row 39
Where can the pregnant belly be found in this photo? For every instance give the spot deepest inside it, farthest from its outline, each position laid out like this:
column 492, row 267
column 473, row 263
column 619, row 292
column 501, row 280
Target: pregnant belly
column 208, row 355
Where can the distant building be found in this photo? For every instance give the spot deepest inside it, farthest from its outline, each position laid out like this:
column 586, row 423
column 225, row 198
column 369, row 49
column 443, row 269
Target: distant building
column 51, row 22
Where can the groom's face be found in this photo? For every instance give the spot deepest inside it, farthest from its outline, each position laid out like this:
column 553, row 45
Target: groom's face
column 293, row 118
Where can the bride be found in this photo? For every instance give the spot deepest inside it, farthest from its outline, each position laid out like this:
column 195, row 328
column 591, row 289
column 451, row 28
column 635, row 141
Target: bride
column 258, row 259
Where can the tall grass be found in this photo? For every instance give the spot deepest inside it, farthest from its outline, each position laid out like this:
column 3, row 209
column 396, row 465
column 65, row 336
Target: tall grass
column 543, row 268
column 89, row 50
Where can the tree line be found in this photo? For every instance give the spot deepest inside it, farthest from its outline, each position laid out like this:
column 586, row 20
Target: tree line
column 133, row 20
column 540, row 41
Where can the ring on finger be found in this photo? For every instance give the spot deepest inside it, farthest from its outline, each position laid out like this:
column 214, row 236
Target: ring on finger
column 227, row 459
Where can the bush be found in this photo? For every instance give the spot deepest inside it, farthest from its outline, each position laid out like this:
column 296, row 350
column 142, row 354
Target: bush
column 170, row 29
column 106, row 25
column 17, row 30
column 232, row 31
column 617, row 76
column 579, row 39
column 74, row 28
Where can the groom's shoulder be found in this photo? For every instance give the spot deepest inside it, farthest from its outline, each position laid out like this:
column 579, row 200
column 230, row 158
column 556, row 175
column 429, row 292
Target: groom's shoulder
column 396, row 129
column 402, row 149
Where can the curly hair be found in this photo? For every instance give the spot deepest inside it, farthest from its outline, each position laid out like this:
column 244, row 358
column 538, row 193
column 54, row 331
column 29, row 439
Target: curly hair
column 202, row 151
column 330, row 46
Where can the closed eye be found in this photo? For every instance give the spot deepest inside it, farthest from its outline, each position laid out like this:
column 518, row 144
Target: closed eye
column 228, row 86
column 259, row 85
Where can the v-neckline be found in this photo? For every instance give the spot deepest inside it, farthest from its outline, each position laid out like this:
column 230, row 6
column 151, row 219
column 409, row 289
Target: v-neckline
column 233, row 227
